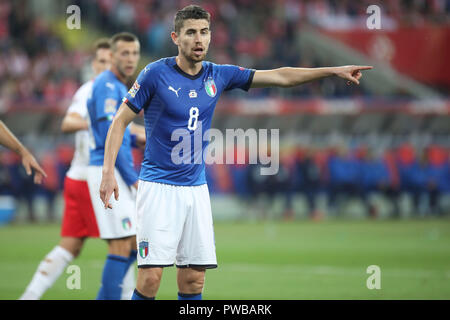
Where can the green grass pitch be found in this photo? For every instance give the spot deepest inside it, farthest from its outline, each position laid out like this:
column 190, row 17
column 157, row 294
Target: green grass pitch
column 269, row 260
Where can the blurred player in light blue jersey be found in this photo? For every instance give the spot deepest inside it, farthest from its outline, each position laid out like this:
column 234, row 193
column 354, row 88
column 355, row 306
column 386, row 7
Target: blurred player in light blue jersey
column 116, row 224
column 174, row 221
column 79, row 220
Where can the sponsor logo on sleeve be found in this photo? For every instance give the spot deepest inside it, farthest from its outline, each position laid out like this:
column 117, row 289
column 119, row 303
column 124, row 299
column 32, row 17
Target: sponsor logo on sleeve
column 110, row 105
column 134, row 89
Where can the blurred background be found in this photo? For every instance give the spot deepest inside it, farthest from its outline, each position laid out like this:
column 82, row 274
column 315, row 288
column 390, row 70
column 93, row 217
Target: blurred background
column 375, row 151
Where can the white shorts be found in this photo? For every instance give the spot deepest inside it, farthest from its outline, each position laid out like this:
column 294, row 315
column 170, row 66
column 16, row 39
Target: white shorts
column 174, row 225
column 120, row 221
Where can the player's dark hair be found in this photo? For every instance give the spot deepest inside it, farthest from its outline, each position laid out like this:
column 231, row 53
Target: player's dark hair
column 122, row 36
column 190, row 12
column 102, row 43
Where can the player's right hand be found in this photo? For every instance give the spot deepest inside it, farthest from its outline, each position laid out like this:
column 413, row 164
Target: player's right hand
column 30, row 163
column 107, row 187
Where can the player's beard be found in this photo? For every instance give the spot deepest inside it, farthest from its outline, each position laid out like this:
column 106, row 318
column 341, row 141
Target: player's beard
column 123, row 73
column 192, row 58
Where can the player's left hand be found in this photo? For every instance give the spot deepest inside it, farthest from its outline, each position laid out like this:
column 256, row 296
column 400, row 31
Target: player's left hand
column 351, row 73
column 107, row 187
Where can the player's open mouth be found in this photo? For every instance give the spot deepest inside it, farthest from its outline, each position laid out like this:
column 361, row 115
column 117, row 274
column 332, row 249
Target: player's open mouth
column 198, row 50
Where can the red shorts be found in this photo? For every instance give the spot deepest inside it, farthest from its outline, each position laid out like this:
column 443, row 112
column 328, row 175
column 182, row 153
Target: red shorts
column 79, row 217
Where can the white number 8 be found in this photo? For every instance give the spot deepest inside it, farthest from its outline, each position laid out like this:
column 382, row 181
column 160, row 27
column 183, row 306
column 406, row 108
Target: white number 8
column 193, row 118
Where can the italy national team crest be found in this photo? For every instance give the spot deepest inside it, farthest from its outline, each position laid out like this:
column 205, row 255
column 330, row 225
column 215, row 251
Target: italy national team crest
column 210, row 87
column 143, row 249
column 126, row 223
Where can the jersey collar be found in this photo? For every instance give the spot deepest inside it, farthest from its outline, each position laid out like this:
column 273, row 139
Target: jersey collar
column 184, row 74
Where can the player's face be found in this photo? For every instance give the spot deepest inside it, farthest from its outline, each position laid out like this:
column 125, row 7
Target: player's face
column 193, row 39
column 125, row 57
column 102, row 60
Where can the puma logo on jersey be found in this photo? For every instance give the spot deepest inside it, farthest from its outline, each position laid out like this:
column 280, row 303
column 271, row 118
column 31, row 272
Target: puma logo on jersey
column 176, row 91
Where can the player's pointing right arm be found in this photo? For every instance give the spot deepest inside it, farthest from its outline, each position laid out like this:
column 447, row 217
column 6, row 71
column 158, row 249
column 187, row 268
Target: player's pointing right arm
column 114, row 139
column 290, row 77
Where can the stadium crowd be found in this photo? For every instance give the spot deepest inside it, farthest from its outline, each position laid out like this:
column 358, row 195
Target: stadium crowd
column 337, row 173
column 37, row 69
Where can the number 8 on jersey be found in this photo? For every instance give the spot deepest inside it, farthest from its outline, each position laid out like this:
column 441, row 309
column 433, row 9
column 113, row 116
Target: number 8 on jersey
column 193, row 118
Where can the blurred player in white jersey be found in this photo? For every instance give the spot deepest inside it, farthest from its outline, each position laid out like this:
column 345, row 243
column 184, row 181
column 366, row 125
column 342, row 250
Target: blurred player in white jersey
column 78, row 219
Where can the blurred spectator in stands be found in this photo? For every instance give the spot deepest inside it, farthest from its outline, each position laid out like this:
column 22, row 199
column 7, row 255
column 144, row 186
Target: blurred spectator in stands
column 238, row 175
column 5, row 177
column 310, row 181
column 413, row 177
column 374, row 179
column 438, row 177
column 284, row 181
column 22, row 185
column 344, row 172
column 260, row 187
column 51, row 184
column 393, row 189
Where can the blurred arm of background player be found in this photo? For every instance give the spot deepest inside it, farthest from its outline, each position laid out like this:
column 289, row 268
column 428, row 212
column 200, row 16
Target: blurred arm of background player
column 139, row 132
column 9, row 140
column 73, row 122
column 290, row 77
column 113, row 142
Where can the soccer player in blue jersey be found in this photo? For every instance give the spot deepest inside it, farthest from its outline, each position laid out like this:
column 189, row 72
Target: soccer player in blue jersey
column 117, row 226
column 174, row 221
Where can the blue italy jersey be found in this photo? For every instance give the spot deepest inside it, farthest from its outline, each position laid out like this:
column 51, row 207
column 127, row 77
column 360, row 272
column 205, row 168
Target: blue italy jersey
column 107, row 93
column 178, row 110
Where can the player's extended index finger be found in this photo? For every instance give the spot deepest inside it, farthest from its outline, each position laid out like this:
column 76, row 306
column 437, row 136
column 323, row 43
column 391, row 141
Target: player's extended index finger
column 364, row 67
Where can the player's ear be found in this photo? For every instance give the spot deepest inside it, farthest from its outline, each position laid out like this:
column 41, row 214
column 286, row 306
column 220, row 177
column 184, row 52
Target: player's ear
column 174, row 37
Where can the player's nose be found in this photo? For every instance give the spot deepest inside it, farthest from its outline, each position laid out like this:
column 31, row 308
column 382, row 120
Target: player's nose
column 198, row 38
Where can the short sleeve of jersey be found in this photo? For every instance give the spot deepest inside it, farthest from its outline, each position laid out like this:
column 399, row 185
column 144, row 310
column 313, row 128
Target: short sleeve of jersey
column 236, row 77
column 140, row 94
column 78, row 104
column 106, row 101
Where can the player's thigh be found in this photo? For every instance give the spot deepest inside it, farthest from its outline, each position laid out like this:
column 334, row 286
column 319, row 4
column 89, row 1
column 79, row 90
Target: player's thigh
column 197, row 244
column 73, row 224
column 160, row 219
